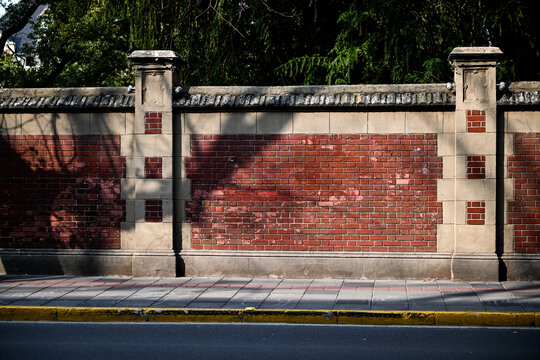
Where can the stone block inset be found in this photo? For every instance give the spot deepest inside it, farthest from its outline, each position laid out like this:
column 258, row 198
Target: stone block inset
column 153, row 211
column 476, row 213
column 476, row 121
column 152, row 123
column 476, row 166
column 153, row 167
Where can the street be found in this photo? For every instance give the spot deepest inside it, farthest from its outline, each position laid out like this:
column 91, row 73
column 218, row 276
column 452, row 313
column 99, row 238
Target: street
column 57, row 340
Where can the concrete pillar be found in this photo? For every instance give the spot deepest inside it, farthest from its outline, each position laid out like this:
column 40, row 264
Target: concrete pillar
column 148, row 187
column 469, row 195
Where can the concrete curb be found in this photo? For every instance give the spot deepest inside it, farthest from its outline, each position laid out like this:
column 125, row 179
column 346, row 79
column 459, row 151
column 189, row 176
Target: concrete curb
column 252, row 315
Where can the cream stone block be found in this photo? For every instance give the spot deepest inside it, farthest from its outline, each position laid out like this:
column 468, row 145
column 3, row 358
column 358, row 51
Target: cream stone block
column 475, row 189
column 476, row 143
column 461, row 167
column 108, row 123
column 153, row 188
column 491, row 167
column 508, row 238
column 424, row 122
column 274, row 123
column 449, row 119
column 140, row 211
column 491, row 209
column 186, row 236
column 127, row 146
column 146, row 145
column 448, row 212
column 139, row 166
column 348, row 123
column 127, row 236
column 445, row 189
column 508, row 189
column 460, row 120
column 523, row 121
column 186, row 145
column 445, row 238
column 449, row 167
column 167, row 209
column 139, row 124
column 127, row 188
column 311, row 123
column 167, row 122
column 446, row 144
column 386, row 122
column 56, row 124
column 167, row 167
column 475, row 239
column 130, row 123
column 202, row 123
column 130, row 210
column 491, row 119
column 239, row 123
column 509, row 144
column 10, row 124
column 154, row 236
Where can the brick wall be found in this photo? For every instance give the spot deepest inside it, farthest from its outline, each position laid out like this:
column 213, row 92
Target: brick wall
column 61, row 191
column 524, row 211
column 314, row 192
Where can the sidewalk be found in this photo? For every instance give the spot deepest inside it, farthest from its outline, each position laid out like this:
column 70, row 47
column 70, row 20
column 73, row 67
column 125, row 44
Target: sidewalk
column 259, row 294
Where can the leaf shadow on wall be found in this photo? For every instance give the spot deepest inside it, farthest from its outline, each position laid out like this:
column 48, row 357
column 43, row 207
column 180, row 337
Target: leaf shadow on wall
column 58, row 192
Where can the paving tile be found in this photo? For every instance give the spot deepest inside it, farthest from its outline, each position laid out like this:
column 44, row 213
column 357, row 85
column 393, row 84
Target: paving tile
column 281, row 301
column 247, row 298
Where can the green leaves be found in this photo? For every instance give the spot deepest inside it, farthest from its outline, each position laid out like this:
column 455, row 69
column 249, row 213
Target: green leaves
column 276, row 42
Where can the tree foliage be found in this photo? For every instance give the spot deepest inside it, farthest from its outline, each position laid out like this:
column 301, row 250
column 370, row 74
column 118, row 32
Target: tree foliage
column 276, row 42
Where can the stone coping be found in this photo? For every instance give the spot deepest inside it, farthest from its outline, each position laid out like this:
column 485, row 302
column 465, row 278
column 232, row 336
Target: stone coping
column 260, row 97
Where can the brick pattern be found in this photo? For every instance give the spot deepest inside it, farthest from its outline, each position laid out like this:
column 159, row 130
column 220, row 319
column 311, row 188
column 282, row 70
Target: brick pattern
column 61, row 191
column 476, row 167
column 153, row 211
column 476, row 213
column 153, row 167
column 314, row 192
column 524, row 211
column 152, row 123
column 476, row 121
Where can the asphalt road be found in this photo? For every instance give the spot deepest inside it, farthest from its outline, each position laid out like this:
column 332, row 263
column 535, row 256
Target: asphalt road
column 57, row 340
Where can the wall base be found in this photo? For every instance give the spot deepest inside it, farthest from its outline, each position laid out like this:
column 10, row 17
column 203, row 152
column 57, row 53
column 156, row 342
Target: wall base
column 475, row 267
column 87, row 262
column 316, row 264
column 520, row 267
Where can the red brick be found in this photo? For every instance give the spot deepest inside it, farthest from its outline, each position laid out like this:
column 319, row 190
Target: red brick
column 524, row 211
column 310, row 189
column 55, row 198
column 152, row 123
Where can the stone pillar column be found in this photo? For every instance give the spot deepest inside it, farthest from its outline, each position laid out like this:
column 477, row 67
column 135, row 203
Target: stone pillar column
column 469, row 186
column 148, row 187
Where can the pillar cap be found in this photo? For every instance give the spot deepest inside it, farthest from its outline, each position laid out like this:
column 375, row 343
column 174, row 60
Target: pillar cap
column 476, row 54
column 140, row 57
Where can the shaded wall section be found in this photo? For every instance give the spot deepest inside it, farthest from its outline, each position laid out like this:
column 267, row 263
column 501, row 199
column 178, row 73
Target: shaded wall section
column 61, row 191
column 350, row 192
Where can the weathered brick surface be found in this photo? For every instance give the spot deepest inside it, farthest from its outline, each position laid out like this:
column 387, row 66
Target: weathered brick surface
column 476, row 213
column 476, row 167
column 152, row 123
column 153, row 167
column 476, row 121
column 61, row 191
column 153, row 211
column 314, row 192
column 524, row 211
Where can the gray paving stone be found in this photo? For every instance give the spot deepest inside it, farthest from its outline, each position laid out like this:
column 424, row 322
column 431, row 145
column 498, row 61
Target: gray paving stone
column 281, row 301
